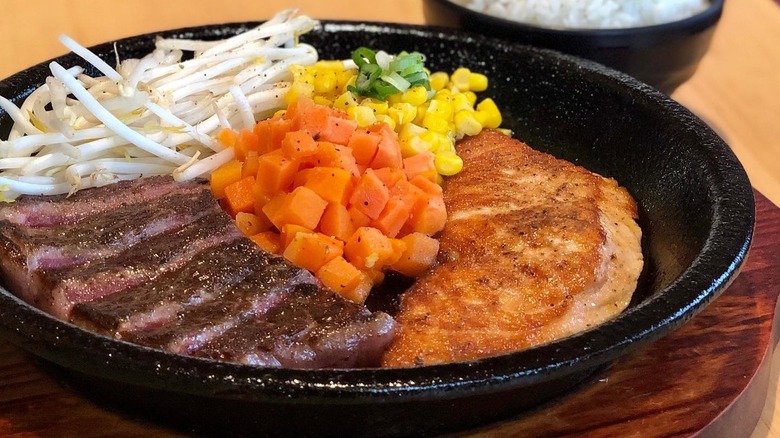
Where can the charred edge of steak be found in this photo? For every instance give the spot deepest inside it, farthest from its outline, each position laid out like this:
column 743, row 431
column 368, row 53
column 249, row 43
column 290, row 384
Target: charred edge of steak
column 36, row 211
column 261, row 291
column 151, row 305
column 312, row 328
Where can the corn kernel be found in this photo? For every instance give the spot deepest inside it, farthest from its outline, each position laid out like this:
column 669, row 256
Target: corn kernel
column 466, row 123
column 460, row 102
column 441, row 108
column 413, row 146
column 421, row 110
column 322, row 100
column 447, row 163
column 345, row 78
column 296, row 90
column 493, row 115
column 325, row 82
column 384, row 118
column 410, row 130
column 363, row 115
column 344, row 101
column 377, row 106
column 435, row 123
column 402, row 113
column 460, row 79
column 330, row 65
column 415, row 96
column 394, row 99
column 477, row 82
column 439, row 80
column 471, row 96
column 297, row 70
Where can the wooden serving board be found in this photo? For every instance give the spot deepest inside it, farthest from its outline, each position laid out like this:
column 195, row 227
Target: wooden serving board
column 710, row 377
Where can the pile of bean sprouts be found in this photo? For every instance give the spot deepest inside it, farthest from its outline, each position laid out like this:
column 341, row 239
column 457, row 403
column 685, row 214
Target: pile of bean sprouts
column 157, row 115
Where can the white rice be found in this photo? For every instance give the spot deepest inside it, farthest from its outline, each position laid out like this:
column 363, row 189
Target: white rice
column 588, row 14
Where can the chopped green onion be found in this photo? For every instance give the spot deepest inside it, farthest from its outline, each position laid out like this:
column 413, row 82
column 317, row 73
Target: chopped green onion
column 381, row 75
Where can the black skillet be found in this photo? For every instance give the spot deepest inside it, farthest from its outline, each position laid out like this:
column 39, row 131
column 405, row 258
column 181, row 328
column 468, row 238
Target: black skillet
column 696, row 211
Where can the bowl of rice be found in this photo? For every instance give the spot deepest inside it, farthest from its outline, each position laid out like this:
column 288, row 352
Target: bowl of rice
column 659, row 42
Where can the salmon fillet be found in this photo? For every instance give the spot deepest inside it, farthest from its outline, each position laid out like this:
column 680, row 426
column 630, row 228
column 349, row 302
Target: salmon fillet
column 535, row 249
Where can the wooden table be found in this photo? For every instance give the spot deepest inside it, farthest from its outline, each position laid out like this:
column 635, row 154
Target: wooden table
column 736, row 90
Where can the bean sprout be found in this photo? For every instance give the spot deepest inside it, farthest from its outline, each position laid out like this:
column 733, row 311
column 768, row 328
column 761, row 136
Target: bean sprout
column 158, row 114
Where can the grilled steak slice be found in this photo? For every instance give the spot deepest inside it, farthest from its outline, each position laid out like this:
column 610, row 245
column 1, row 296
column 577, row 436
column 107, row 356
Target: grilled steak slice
column 535, row 249
column 264, row 289
column 40, row 211
column 312, row 328
column 150, row 305
column 56, row 291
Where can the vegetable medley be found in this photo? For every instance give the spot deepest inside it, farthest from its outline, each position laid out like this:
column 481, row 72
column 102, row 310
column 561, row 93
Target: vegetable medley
column 345, row 181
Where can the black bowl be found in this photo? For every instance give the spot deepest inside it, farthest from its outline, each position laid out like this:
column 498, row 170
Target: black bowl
column 664, row 55
column 696, row 211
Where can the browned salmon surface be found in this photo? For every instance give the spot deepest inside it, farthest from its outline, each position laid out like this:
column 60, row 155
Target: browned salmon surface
column 535, row 249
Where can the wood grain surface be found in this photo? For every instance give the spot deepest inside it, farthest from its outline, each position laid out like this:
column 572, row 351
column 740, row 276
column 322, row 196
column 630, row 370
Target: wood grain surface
column 736, row 90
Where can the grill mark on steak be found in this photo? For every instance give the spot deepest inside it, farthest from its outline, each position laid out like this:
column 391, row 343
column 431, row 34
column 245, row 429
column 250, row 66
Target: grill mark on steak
column 56, row 291
column 39, row 211
column 312, row 328
column 255, row 295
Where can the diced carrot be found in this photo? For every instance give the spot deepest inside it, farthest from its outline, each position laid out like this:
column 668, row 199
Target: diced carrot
column 390, row 175
column 262, row 130
column 298, row 144
column 332, row 155
column 247, row 141
column 409, row 193
column 289, row 231
column 268, row 241
column 279, row 127
column 429, row 218
column 337, row 130
column 359, row 219
column 225, row 175
column 275, row 172
column 272, row 208
column 313, row 119
column 301, row 177
column 388, row 153
column 251, row 224
column 368, row 249
column 337, row 222
column 301, row 207
column 343, row 278
column 251, row 163
column 261, row 198
column 364, row 144
column 419, row 255
column 393, row 217
column 331, row 183
column 227, row 137
column 399, row 247
column 312, row 250
column 426, row 185
column 294, row 110
column 240, row 197
column 370, row 195
column 420, row 164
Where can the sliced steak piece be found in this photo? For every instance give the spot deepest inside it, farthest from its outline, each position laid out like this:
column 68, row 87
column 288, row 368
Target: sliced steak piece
column 100, row 237
column 57, row 291
column 148, row 306
column 264, row 289
column 39, row 211
column 312, row 328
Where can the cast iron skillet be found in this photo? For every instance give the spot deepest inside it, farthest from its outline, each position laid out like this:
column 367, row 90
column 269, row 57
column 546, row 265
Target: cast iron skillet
column 696, row 211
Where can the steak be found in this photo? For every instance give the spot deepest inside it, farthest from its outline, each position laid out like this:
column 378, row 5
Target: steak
column 158, row 263
column 534, row 249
